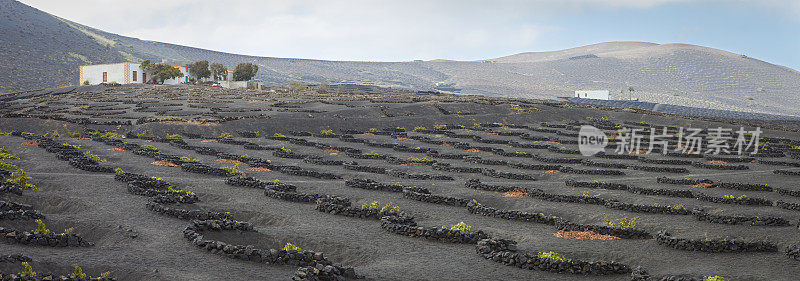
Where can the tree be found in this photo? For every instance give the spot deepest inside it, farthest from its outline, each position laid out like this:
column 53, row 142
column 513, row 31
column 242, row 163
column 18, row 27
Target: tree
column 244, row 71
column 630, row 92
column 199, row 70
column 218, row 71
column 159, row 72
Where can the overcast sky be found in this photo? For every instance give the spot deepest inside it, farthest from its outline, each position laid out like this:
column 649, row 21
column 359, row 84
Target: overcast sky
column 403, row 30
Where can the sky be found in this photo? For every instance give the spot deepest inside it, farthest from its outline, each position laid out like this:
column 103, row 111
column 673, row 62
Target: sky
column 404, row 30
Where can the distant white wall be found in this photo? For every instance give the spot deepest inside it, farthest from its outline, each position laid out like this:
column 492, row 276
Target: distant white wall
column 598, row 95
column 123, row 73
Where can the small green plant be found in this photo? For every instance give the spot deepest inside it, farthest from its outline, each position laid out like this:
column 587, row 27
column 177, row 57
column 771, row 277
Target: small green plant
column 461, row 227
column 326, row 132
column 6, row 134
column 742, row 197
column 374, row 130
column 119, row 170
column 27, row 270
column 75, row 146
column 5, row 154
column 551, row 255
column 69, row 230
column 420, row 128
column 728, row 196
column 713, row 278
column 8, row 166
column 287, row 150
column 142, row 134
column 276, row 181
column 52, row 135
column 150, row 147
column 105, row 274
column 94, row 157
column 86, row 83
column 74, row 135
column 174, row 136
column 390, row 207
column 189, row 159
column 22, row 179
column 373, row 205
column 440, row 127
column 111, row 135
column 77, row 272
column 234, row 171
column 41, row 228
column 181, row 191
column 257, row 133
column 279, row 135
column 624, row 222
column 370, row 153
column 415, row 159
column 290, row 246
column 589, row 194
column 678, row 207
column 226, row 136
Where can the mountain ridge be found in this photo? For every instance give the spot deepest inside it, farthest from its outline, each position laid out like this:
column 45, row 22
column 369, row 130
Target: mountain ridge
column 42, row 50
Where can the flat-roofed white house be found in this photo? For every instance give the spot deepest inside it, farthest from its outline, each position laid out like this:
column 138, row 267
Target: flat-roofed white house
column 123, row 73
column 597, row 95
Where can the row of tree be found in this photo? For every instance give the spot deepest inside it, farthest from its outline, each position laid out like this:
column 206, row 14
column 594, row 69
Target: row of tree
column 243, row 71
column 159, row 72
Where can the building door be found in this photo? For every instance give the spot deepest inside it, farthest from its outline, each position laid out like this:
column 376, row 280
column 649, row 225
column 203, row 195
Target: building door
column 134, row 76
column 144, row 77
column 105, row 77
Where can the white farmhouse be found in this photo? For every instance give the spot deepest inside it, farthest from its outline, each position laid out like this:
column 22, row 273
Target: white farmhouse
column 597, row 95
column 123, row 73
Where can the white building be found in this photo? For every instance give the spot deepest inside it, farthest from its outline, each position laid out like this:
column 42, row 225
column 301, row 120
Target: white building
column 123, row 73
column 598, row 95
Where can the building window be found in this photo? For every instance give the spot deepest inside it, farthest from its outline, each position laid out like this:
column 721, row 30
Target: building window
column 134, row 76
column 105, row 77
column 144, row 77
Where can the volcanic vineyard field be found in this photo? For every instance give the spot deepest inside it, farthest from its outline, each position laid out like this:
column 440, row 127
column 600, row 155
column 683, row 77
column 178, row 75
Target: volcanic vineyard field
column 192, row 183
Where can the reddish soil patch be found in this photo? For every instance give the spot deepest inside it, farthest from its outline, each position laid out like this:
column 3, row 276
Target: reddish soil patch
column 552, row 172
column 701, row 185
column 403, row 139
column 164, row 163
column 493, row 134
column 229, row 161
column 330, row 151
column 117, row 149
column 474, row 150
column 259, row 169
column 516, row 193
column 464, row 130
column 590, row 235
column 31, row 142
column 148, row 141
column 552, row 142
column 641, row 151
column 210, row 140
column 85, row 138
column 369, row 134
column 413, row 164
column 718, row 162
column 446, row 144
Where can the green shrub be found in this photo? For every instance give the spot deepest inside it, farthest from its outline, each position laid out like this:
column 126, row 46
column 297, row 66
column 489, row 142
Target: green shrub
column 589, row 194
column 75, row 146
column 27, row 270
column 189, row 159
column 6, row 134
column 284, row 149
column 461, row 227
column 290, row 246
column 326, row 132
column 624, row 222
column 373, row 205
column 440, row 127
column 52, row 135
column 8, row 166
column 551, row 255
column 279, row 135
column 175, row 190
column 713, row 278
column 74, row 135
column 22, row 179
column 94, row 157
column 5, row 154
column 226, row 136
column 150, row 147
column 119, row 171
column 390, row 207
column 174, row 136
column 234, row 171
column 419, row 128
column 415, row 159
column 77, row 272
column 142, row 134
column 41, row 228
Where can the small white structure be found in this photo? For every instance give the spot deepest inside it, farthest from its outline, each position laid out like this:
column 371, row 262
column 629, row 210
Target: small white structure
column 123, row 73
column 252, row 84
column 597, row 95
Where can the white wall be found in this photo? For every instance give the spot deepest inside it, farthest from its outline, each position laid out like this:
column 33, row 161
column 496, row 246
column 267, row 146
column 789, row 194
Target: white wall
column 94, row 73
column 598, row 95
